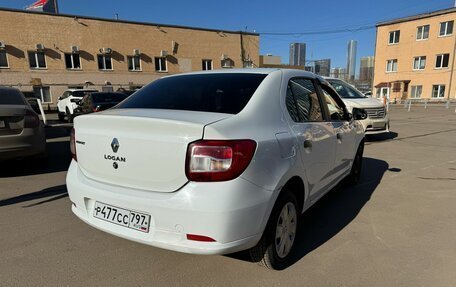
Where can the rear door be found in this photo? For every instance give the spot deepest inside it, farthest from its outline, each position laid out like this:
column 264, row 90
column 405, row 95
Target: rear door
column 314, row 135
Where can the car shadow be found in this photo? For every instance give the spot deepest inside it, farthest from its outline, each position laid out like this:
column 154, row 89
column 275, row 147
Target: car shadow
column 333, row 212
column 48, row 194
column 382, row 137
column 57, row 159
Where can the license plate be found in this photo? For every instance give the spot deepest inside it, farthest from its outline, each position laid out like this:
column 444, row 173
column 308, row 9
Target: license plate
column 120, row 216
column 379, row 125
column 2, row 124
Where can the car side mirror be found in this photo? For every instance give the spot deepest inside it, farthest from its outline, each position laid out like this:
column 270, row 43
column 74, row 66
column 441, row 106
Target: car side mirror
column 359, row 114
column 59, row 98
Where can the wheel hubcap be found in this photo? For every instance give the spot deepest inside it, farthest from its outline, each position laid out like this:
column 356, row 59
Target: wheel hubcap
column 285, row 230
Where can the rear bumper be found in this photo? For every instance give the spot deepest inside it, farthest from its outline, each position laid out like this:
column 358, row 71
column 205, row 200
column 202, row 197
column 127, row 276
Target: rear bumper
column 28, row 143
column 231, row 212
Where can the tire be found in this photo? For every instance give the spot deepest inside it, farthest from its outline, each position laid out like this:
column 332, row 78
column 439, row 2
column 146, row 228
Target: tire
column 71, row 118
column 355, row 173
column 275, row 247
column 68, row 114
column 61, row 117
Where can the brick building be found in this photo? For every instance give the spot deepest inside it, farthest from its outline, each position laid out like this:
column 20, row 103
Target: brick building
column 47, row 53
column 414, row 57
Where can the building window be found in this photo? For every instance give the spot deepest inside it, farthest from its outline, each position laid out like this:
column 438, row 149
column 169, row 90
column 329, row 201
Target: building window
column 446, row 28
column 37, row 60
column 73, row 61
column 134, row 63
column 43, row 93
column 391, row 65
column 416, row 92
column 160, row 64
column 422, row 32
column 438, row 91
column 3, row 60
column 104, row 62
column 207, row 65
column 442, row 61
column 419, row 63
column 394, row 37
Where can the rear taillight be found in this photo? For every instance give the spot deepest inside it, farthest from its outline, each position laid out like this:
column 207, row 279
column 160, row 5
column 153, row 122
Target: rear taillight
column 31, row 119
column 201, row 238
column 73, row 145
column 218, row 160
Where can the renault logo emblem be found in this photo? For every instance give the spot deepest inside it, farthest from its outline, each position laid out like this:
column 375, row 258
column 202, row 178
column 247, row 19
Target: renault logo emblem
column 115, row 145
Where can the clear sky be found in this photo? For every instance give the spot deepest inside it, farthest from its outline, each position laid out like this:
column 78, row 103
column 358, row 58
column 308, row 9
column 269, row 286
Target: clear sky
column 286, row 16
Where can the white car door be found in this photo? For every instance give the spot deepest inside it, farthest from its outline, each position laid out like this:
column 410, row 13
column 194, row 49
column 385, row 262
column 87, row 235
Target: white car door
column 314, row 135
column 344, row 131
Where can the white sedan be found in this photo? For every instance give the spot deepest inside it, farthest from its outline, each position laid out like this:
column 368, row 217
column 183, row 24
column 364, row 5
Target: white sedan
column 377, row 120
column 215, row 162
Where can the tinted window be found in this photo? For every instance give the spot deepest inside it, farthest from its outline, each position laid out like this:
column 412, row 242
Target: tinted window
column 345, row 90
column 81, row 94
column 218, row 93
column 11, row 97
column 306, row 100
column 108, row 97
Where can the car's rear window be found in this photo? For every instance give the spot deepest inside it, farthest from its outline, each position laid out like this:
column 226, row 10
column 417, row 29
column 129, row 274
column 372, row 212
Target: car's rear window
column 108, row 97
column 219, row 93
column 11, row 97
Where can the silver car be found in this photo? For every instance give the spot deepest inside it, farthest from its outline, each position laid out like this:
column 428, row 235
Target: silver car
column 21, row 131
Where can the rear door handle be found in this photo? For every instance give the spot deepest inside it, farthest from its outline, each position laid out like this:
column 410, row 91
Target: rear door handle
column 307, row 144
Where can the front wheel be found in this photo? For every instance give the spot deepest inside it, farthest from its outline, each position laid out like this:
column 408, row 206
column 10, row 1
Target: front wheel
column 355, row 173
column 275, row 247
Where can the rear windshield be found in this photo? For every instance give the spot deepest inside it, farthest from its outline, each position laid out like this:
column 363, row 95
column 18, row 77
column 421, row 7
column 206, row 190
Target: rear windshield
column 108, row 97
column 219, row 93
column 11, row 97
column 81, row 94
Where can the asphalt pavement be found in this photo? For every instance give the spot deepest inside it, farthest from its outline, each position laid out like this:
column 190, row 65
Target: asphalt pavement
column 396, row 228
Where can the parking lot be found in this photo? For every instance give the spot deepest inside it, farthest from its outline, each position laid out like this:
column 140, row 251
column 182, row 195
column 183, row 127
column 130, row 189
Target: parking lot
column 396, row 228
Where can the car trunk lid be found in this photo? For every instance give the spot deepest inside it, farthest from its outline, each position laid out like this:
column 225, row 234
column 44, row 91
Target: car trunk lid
column 139, row 148
column 11, row 119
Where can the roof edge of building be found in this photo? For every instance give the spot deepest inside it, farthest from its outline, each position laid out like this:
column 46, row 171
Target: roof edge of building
column 417, row 17
column 128, row 21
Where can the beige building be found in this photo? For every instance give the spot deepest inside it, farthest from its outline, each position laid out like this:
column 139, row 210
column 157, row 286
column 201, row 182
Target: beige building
column 414, row 57
column 269, row 59
column 47, row 54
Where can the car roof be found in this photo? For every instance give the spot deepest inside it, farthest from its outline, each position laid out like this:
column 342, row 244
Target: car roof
column 9, row 89
column 264, row 71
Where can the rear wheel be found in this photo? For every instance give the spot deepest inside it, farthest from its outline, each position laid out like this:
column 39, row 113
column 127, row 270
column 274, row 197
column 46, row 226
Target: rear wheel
column 61, row 116
column 355, row 173
column 275, row 247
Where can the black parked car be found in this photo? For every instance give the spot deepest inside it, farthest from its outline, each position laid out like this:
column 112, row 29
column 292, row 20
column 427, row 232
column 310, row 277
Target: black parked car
column 96, row 102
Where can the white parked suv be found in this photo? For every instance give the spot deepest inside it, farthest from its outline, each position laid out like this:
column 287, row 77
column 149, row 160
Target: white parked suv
column 215, row 162
column 67, row 102
column 377, row 121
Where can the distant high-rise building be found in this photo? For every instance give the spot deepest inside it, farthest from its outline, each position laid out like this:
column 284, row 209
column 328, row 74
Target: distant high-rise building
column 351, row 60
column 297, row 54
column 338, row 73
column 323, row 67
column 366, row 69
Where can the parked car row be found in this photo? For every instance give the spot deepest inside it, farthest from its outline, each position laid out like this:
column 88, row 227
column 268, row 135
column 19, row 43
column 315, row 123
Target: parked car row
column 210, row 162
